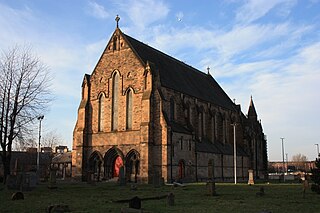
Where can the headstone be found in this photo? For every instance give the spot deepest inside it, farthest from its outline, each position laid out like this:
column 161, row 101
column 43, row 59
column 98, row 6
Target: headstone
column 58, row 208
column 17, row 196
column 211, row 188
column 170, row 199
column 133, row 187
column 90, row 177
column 156, row 179
column 26, row 181
column 261, row 192
column 211, row 185
column 32, row 179
column 305, row 187
column 135, row 203
column 122, row 177
column 161, row 181
column 250, row 181
column 52, row 179
column 12, row 182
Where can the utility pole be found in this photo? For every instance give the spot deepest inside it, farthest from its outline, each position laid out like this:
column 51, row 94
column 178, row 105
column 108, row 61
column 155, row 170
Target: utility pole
column 286, row 163
column 38, row 156
column 234, row 152
column 283, row 159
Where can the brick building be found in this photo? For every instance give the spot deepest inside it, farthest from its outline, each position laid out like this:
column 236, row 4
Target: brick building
column 152, row 113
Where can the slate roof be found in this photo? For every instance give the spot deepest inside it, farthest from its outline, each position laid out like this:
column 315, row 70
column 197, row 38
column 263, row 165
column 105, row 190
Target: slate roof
column 219, row 148
column 181, row 77
column 62, row 158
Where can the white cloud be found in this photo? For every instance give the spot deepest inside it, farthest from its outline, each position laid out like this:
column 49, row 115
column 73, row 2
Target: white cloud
column 142, row 13
column 97, row 10
column 255, row 9
column 284, row 95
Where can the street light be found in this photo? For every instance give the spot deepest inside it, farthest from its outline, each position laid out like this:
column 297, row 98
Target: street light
column 38, row 157
column 317, row 149
column 286, row 163
column 283, row 159
column 234, row 152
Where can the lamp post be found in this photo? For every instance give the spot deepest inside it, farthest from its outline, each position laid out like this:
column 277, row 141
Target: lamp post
column 283, row 159
column 38, row 157
column 286, row 163
column 234, row 152
column 317, row 149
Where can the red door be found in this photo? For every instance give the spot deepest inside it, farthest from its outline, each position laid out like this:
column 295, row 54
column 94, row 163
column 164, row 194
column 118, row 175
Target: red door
column 117, row 164
column 181, row 169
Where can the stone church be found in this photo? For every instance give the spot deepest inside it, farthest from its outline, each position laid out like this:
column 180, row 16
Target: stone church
column 149, row 113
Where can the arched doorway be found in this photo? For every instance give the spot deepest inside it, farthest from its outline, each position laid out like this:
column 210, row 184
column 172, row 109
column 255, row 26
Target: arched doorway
column 132, row 165
column 182, row 173
column 95, row 162
column 113, row 161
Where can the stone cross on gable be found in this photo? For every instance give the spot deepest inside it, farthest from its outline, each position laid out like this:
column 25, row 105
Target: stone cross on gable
column 117, row 20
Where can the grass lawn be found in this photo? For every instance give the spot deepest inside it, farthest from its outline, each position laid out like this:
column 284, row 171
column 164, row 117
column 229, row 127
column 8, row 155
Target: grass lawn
column 82, row 197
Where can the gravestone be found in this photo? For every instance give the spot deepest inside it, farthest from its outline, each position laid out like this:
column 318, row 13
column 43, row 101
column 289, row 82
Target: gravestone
column 122, row 176
column 261, row 192
column 58, row 208
column 250, row 181
column 29, row 181
column 90, row 177
column 53, row 179
column 12, row 182
column 17, row 196
column 135, row 203
column 211, row 185
column 305, row 187
column 133, row 187
column 161, row 181
column 156, row 179
column 170, row 199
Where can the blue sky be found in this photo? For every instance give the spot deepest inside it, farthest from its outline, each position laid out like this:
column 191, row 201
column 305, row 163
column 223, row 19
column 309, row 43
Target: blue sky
column 267, row 49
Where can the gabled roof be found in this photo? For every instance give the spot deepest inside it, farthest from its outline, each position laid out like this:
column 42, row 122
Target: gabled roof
column 181, row 77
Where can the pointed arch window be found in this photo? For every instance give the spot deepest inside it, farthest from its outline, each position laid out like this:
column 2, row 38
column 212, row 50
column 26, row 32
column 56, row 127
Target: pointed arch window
column 115, row 91
column 172, row 109
column 189, row 114
column 129, row 110
column 101, row 113
column 201, row 123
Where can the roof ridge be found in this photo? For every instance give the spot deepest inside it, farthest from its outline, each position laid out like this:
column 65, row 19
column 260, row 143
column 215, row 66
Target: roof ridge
column 165, row 54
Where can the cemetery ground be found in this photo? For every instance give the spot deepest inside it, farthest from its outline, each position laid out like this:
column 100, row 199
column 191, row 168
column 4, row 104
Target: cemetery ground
column 100, row 197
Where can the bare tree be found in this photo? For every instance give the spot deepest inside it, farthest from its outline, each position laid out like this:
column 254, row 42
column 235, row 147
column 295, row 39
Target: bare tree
column 299, row 160
column 51, row 139
column 24, row 94
column 23, row 144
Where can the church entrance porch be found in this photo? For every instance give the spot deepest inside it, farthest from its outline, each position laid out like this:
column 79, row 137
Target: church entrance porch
column 132, row 165
column 95, row 162
column 113, row 161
